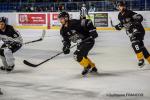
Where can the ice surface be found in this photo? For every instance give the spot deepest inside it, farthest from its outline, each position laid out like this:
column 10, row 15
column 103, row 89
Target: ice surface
column 60, row 78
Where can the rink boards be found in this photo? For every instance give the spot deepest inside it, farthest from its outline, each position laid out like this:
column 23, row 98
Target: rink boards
column 50, row 20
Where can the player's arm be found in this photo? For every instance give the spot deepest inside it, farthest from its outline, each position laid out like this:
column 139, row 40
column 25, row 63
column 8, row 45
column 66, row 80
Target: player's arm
column 92, row 29
column 120, row 25
column 137, row 17
column 66, row 43
column 16, row 35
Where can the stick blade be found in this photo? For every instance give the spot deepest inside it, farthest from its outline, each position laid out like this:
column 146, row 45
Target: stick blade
column 29, row 64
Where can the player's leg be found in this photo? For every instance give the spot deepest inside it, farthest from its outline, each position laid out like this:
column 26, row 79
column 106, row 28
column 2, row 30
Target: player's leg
column 137, row 47
column 80, row 56
column 12, row 49
column 145, row 52
column 3, row 60
column 94, row 69
column 7, row 57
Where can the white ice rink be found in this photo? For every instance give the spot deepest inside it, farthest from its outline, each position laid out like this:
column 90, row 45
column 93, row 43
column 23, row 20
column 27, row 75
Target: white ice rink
column 60, row 78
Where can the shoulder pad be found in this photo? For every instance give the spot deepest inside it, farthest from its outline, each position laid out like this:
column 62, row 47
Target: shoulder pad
column 138, row 17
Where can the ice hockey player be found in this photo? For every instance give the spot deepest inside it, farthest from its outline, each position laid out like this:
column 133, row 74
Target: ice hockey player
column 12, row 41
column 74, row 31
column 131, row 21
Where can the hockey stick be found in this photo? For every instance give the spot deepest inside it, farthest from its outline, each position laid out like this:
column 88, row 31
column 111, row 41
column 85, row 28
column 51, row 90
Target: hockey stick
column 40, row 39
column 36, row 65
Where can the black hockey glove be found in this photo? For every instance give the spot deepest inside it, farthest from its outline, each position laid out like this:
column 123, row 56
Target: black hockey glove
column 66, row 49
column 11, row 45
column 118, row 27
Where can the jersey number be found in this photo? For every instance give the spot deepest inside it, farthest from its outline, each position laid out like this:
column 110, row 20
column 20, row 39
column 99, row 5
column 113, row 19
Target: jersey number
column 137, row 47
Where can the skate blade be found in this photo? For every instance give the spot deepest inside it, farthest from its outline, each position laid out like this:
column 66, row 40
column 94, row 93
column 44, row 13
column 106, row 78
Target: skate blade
column 94, row 73
column 91, row 74
column 5, row 72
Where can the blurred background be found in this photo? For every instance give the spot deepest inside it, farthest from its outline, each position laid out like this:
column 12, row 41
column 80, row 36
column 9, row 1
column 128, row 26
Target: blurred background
column 68, row 5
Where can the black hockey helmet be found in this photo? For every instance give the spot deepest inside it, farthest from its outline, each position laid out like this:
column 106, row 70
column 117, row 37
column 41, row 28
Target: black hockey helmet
column 3, row 19
column 121, row 3
column 63, row 14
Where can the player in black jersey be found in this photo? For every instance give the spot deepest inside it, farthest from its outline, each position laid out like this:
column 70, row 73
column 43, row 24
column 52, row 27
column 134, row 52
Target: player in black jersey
column 76, row 31
column 131, row 21
column 12, row 41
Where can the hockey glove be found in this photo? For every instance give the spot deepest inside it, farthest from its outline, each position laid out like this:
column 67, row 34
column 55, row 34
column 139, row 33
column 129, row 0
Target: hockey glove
column 118, row 27
column 66, row 49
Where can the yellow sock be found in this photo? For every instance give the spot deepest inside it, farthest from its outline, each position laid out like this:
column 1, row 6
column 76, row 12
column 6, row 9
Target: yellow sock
column 84, row 62
column 139, row 55
column 148, row 59
column 91, row 63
